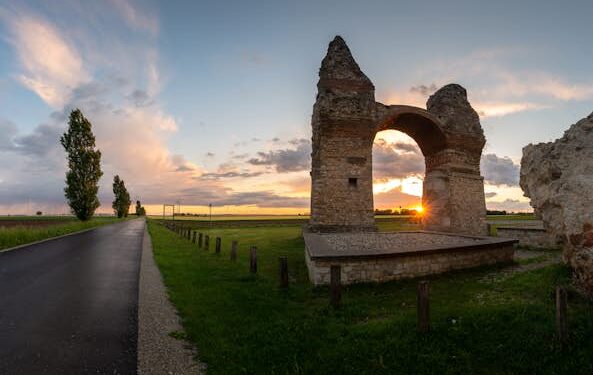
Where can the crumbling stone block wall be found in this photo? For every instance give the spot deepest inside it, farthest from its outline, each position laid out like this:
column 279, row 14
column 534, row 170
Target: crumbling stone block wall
column 346, row 119
column 558, row 177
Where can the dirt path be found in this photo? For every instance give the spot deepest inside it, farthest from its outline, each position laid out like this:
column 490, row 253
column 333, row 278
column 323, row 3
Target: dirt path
column 531, row 260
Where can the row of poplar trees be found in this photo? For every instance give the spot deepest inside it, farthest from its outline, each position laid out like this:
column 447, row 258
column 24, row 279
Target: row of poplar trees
column 84, row 172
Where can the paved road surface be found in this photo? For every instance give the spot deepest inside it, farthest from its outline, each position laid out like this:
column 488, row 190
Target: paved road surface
column 69, row 306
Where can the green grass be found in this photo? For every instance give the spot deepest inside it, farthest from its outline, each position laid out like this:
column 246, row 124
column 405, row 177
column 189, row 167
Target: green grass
column 20, row 235
column 244, row 324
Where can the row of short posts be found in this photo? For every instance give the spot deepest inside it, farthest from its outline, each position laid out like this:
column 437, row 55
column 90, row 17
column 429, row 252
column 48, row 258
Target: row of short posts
column 423, row 291
column 423, row 304
column 203, row 242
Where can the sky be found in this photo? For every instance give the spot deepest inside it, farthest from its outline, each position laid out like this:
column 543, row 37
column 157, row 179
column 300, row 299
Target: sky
column 197, row 103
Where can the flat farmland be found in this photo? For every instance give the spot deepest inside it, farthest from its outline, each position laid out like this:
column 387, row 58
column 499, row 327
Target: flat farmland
column 34, row 221
column 20, row 230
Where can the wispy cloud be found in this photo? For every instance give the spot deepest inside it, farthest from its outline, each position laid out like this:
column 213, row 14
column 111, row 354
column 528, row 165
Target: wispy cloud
column 50, row 65
column 496, row 88
column 136, row 18
column 296, row 158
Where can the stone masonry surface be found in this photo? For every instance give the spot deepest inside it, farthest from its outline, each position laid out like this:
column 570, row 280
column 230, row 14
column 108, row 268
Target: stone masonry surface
column 558, row 178
column 379, row 257
column 346, row 119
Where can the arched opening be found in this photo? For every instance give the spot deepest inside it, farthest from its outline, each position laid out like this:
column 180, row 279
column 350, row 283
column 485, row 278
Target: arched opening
column 398, row 169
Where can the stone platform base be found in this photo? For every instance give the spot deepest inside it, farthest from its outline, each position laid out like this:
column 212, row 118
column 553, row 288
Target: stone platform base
column 380, row 257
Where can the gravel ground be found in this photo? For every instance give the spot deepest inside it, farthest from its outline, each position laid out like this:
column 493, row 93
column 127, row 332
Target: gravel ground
column 390, row 241
column 159, row 353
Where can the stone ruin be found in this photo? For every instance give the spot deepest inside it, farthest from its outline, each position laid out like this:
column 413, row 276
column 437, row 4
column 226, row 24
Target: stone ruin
column 558, row 177
column 345, row 120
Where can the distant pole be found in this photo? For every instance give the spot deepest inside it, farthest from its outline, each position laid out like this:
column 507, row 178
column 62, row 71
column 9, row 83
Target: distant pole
column 210, row 206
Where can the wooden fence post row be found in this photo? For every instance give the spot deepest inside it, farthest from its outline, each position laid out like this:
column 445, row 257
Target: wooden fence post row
column 200, row 240
column 561, row 312
column 283, row 272
column 207, row 242
column 335, row 285
column 253, row 259
column 218, row 244
column 234, row 250
column 423, row 307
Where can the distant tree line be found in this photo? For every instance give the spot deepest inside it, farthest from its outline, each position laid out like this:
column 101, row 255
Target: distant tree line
column 402, row 211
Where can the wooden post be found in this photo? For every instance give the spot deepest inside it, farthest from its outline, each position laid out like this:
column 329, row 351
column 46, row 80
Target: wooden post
column 335, row 285
column 218, row 243
column 423, row 307
column 200, row 238
column 189, row 234
column 207, row 242
column 283, row 272
column 253, row 259
column 234, row 250
column 193, row 237
column 561, row 312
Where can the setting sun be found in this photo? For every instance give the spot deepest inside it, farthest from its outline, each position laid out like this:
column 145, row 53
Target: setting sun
column 419, row 209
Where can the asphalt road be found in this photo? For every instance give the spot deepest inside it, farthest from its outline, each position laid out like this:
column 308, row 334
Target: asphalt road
column 69, row 306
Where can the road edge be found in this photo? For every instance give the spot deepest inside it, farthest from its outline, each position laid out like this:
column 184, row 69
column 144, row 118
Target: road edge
column 158, row 352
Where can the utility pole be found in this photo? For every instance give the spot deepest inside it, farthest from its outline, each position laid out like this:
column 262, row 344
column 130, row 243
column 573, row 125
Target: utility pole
column 210, row 206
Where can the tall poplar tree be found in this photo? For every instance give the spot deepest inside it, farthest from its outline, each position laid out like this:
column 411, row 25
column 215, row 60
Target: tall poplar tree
column 121, row 204
column 84, row 166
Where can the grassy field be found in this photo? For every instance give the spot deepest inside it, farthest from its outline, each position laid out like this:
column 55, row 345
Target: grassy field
column 244, row 324
column 28, row 232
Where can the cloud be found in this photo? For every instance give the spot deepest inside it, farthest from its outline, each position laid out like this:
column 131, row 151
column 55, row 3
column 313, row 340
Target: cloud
column 499, row 170
column 395, row 198
column 490, row 195
column 135, row 18
column 130, row 127
column 140, row 98
column 514, row 205
column 497, row 88
column 286, row 160
column 50, row 65
column 424, row 90
column 204, row 195
column 498, row 109
column 217, row 176
column 396, row 160
column 7, row 131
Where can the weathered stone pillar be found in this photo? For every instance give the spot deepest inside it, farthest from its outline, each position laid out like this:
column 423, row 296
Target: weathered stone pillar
column 343, row 133
column 453, row 191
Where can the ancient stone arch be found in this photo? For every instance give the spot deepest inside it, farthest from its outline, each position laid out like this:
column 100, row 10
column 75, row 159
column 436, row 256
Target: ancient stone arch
column 346, row 119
